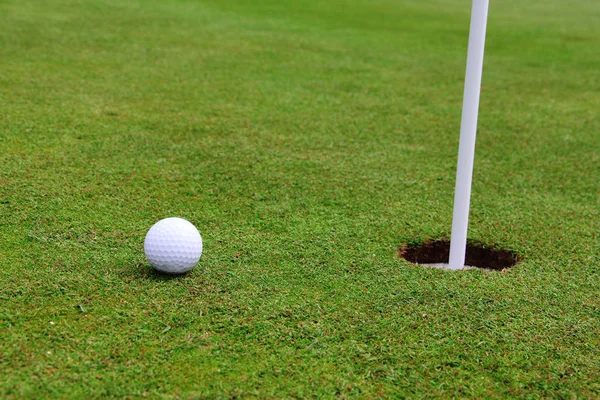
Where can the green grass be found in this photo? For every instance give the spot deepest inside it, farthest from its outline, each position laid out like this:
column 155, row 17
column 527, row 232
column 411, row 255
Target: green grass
column 307, row 140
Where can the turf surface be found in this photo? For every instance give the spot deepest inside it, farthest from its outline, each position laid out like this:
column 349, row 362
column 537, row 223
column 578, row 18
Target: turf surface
column 306, row 140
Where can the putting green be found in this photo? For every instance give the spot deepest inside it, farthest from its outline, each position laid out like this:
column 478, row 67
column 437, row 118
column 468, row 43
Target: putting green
column 307, row 140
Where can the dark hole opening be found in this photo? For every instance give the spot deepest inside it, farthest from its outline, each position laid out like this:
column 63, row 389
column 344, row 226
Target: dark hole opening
column 478, row 255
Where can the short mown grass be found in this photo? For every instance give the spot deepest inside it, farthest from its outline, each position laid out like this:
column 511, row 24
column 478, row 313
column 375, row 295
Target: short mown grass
column 306, row 140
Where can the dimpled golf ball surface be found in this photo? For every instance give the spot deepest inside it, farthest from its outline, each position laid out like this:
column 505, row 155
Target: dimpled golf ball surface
column 173, row 246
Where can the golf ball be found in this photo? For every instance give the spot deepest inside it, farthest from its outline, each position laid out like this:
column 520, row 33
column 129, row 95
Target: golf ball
column 173, row 245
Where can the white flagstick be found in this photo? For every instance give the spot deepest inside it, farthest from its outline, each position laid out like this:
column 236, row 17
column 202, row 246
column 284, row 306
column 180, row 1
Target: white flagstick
column 468, row 129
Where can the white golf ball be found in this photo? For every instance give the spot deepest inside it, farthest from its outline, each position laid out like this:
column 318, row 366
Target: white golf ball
column 173, row 245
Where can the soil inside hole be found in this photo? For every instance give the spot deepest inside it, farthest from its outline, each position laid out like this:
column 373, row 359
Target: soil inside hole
column 438, row 252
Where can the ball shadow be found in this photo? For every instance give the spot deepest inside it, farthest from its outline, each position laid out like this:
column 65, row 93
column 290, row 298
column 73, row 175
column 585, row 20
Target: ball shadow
column 145, row 271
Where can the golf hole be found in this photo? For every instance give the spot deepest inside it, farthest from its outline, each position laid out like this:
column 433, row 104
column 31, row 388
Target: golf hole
column 478, row 255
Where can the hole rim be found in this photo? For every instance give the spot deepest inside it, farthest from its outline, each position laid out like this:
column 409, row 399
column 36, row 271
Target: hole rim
column 479, row 255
